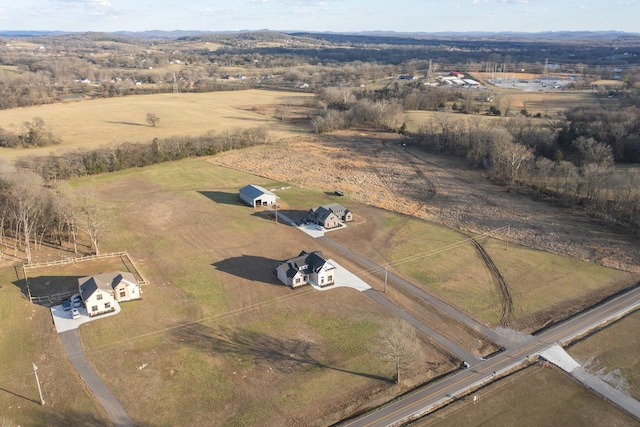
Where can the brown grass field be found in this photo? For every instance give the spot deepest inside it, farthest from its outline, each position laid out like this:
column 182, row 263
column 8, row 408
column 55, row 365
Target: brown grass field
column 612, row 353
column 212, row 332
column 105, row 122
column 533, row 397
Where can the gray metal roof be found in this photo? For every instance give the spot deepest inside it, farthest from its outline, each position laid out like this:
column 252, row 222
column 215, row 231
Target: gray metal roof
column 255, row 191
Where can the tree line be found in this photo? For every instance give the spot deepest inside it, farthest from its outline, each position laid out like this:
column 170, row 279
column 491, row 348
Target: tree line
column 132, row 155
column 36, row 207
column 581, row 173
column 34, row 134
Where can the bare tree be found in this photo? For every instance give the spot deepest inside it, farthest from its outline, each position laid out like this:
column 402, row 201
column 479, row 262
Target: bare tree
column 592, row 151
column 153, row 119
column 282, row 112
column 66, row 211
column 25, row 192
column 398, row 343
column 93, row 220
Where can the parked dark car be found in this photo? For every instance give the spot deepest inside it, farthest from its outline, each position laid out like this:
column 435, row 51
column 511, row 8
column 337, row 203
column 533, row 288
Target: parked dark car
column 66, row 304
column 338, row 193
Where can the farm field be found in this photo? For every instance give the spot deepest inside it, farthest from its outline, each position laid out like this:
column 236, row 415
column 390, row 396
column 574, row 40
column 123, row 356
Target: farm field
column 207, row 322
column 215, row 318
column 612, row 354
column 557, row 249
column 112, row 121
column 535, row 396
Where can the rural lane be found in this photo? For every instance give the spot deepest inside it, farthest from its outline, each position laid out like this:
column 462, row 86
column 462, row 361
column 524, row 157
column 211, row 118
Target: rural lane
column 464, row 381
column 73, row 347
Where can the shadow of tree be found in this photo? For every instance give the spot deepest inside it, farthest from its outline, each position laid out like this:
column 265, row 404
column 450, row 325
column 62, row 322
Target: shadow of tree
column 282, row 354
column 261, row 269
column 124, row 123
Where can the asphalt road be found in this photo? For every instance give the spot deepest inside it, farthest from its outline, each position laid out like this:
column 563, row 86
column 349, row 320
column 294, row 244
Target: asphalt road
column 464, row 381
column 71, row 343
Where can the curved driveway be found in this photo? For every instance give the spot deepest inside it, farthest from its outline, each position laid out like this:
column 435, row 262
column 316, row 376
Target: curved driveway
column 71, row 342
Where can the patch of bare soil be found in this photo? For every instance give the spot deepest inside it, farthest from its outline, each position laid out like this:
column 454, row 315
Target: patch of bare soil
column 374, row 169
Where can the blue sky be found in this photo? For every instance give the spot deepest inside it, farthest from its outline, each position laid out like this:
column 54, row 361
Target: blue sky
column 321, row 15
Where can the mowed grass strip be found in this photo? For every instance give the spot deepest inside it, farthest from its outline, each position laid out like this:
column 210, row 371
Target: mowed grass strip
column 107, row 122
column 612, row 353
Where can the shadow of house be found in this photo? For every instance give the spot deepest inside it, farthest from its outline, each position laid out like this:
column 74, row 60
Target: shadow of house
column 250, row 267
column 296, row 215
column 283, row 354
column 223, row 197
column 48, row 291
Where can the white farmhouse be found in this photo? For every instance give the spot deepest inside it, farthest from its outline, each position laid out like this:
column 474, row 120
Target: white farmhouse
column 306, row 268
column 102, row 293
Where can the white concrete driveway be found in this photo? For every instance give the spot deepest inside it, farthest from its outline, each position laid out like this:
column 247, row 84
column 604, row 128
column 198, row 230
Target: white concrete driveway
column 344, row 278
column 312, row 230
column 64, row 322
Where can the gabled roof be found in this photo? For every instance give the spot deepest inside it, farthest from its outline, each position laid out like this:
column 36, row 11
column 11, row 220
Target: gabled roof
column 306, row 262
column 106, row 282
column 335, row 208
column 254, row 191
column 321, row 212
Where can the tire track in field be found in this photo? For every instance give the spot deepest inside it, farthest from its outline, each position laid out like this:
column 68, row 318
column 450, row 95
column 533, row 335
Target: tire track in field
column 506, row 301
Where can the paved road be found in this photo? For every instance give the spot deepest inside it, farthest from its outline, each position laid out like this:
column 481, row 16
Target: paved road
column 72, row 346
column 464, row 381
column 435, row 302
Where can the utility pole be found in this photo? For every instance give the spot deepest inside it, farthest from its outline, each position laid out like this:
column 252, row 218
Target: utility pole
column 35, row 371
column 276, row 212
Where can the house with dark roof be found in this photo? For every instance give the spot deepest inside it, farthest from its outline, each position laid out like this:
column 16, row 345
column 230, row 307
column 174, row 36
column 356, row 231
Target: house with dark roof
column 329, row 216
column 306, row 268
column 102, row 293
column 254, row 196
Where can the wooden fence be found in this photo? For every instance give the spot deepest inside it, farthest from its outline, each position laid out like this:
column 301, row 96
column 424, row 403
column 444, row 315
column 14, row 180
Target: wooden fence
column 51, row 299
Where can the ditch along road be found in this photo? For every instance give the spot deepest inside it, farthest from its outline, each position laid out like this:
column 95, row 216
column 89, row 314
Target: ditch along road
column 483, row 372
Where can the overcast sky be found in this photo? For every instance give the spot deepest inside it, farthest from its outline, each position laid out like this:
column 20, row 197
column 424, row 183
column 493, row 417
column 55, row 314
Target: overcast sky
column 321, row 15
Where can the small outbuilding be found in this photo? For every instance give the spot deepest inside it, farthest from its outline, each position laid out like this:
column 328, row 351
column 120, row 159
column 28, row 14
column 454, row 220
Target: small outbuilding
column 306, row 268
column 254, row 196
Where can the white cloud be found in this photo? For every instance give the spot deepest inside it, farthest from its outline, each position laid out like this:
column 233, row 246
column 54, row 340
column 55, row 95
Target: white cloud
column 87, row 4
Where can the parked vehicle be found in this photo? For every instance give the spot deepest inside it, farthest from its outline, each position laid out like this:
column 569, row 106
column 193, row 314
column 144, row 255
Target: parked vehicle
column 66, row 305
column 77, row 301
column 319, row 227
column 338, row 193
column 75, row 313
